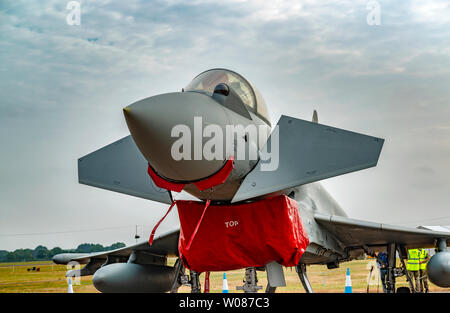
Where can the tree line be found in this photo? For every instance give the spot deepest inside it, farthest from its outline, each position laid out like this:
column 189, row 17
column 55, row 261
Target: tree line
column 41, row 253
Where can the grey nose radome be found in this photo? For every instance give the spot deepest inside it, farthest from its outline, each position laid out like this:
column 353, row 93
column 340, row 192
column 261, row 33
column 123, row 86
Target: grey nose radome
column 167, row 127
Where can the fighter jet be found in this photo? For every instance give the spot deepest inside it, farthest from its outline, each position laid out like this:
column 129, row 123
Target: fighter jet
column 214, row 140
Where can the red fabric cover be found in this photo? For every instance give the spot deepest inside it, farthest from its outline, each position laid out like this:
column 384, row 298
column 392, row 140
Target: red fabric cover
column 259, row 232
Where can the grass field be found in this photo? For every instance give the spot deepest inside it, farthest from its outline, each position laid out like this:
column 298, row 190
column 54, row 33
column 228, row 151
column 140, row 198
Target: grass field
column 50, row 278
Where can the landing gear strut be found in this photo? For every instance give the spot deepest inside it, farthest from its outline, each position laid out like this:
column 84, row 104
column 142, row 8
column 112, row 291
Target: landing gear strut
column 301, row 271
column 394, row 272
column 250, row 281
column 402, row 253
column 390, row 282
column 195, row 282
column 181, row 279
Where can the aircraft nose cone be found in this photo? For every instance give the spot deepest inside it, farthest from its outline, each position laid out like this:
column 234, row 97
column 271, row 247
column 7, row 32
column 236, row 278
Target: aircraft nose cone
column 156, row 123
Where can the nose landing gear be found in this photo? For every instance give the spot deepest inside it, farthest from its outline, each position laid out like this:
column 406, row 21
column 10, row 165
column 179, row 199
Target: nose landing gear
column 301, row 271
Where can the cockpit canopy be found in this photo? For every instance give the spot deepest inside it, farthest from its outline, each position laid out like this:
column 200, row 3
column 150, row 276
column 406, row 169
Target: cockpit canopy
column 250, row 96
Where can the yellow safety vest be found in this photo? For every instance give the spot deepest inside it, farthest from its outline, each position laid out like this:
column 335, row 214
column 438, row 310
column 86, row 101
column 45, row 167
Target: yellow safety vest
column 413, row 260
column 423, row 255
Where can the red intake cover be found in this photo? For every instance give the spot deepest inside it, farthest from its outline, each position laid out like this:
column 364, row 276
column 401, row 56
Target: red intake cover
column 242, row 235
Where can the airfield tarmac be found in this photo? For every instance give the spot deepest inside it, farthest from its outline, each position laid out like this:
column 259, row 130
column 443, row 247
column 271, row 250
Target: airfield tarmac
column 15, row 278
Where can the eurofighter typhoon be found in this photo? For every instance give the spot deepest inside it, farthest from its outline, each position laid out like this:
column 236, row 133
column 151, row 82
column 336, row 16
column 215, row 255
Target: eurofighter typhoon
column 260, row 202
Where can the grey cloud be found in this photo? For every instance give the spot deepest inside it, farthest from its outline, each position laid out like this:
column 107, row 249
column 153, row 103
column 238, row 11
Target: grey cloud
column 66, row 86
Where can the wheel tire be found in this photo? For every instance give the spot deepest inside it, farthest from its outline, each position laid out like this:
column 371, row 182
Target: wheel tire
column 403, row 290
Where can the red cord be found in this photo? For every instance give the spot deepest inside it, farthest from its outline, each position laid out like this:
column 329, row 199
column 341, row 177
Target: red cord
column 198, row 224
column 150, row 241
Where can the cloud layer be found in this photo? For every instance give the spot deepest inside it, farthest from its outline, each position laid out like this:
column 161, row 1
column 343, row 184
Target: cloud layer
column 64, row 87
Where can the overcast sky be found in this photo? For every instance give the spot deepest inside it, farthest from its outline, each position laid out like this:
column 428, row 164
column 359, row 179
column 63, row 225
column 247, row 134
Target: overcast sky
column 63, row 89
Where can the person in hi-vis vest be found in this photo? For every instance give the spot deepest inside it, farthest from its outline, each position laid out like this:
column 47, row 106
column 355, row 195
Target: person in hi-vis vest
column 413, row 267
column 423, row 261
